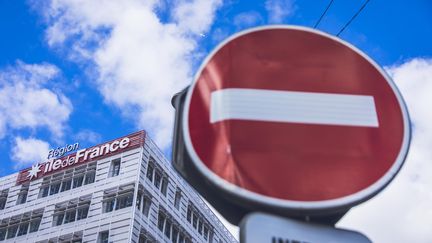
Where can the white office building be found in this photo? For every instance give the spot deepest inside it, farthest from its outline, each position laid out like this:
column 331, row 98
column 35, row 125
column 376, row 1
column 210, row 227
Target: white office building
column 123, row 190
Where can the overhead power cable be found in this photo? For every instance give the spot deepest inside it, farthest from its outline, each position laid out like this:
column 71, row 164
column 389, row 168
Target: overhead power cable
column 322, row 15
column 353, row 17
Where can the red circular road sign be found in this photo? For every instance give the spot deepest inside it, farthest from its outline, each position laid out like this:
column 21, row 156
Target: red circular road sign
column 292, row 117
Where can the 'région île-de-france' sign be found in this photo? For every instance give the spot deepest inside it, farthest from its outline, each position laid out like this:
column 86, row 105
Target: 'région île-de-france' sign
column 82, row 156
column 60, row 151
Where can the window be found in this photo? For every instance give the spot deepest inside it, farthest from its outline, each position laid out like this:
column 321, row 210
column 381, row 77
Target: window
column 3, row 233
column 54, row 188
column 103, row 237
column 34, row 225
column 146, row 205
column 168, row 228
column 150, row 170
column 161, row 221
column 108, row 205
column 12, row 230
column 143, row 202
column 23, row 228
column 18, row 225
column 77, row 181
column 3, row 198
column 124, row 201
column 175, row 233
column 177, row 198
column 189, row 214
column 118, row 198
column 89, row 177
column 164, row 185
column 115, row 168
column 200, row 227
column 66, row 185
column 158, row 178
column 22, row 195
column 206, row 232
column 82, row 212
column 67, row 180
column 71, row 211
column 194, row 220
column 70, row 216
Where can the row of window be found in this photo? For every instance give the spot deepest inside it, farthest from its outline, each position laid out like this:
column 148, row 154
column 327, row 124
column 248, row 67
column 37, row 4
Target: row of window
column 198, row 222
column 71, row 211
column 20, row 225
column 64, row 181
column 117, row 198
column 67, row 180
column 157, row 176
column 171, row 229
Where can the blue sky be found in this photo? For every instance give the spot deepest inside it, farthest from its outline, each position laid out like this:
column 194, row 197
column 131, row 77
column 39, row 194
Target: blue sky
column 96, row 70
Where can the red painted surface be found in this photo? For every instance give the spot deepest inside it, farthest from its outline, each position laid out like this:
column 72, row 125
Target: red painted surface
column 294, row 161
column 137, row 139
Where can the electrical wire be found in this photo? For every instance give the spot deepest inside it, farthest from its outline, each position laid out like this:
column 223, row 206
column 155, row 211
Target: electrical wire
column 322, row 15
column 353, row 17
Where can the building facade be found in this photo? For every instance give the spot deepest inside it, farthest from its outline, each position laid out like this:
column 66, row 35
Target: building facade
column 123, row 190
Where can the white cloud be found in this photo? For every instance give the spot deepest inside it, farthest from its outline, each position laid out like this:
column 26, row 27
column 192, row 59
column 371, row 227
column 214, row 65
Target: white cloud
column 25, row 102
column 247, row 19
column 278, row 10
column 140, row 60
column 88, row 136
column 402, row 212
column 28, row 151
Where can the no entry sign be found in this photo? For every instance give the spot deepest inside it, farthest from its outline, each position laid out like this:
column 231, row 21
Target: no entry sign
column 293, row 118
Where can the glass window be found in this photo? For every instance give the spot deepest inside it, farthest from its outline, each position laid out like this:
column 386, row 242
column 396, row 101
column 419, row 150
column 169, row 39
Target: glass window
column 58, row 219
column 164, row 185
column 189, row 213
column 34, row 225
column 124, row 201
column 70, row 216
column 103, row 237
column 54, row 188
column 82, row 212
column 200, row 227
column 23, row 228
column 150, row 169
column 77, row 181
column 44, row 191
column 174, row 235
column 158, row 178
column 66, row 185
column 146, row 205
column 89, row 178
column 181, row 238
column 3, row 198
column 12, row 230
column 177, row 199
column 115, row 168
column 161, row 221
column 2, row 203
column 108, row 205
column 206, row 231
column 168, row 228
column 2, row 233
column 194, row 220
column 22, row 197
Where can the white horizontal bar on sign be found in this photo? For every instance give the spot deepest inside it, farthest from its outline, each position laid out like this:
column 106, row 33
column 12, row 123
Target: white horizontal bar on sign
column 293, row 106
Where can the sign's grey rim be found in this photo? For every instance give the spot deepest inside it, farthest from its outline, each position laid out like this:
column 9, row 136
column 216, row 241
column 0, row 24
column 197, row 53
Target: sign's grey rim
column 248, row 195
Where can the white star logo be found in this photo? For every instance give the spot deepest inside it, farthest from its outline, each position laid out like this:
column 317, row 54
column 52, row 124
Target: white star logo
column 33, row 171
